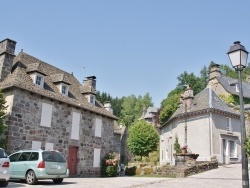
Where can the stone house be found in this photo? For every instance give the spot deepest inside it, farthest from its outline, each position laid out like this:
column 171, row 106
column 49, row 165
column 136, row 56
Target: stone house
column 120, row 135
column 151, row 115
column 49, row 108
column 206, row 124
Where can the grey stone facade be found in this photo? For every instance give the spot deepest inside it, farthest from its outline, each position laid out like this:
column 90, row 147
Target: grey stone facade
column 24, row 113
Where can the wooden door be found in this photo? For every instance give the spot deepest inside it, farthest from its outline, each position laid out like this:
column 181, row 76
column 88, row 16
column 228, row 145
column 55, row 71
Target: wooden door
column 72, row 160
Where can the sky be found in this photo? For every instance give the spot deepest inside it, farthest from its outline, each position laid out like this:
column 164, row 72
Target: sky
column 133, row 47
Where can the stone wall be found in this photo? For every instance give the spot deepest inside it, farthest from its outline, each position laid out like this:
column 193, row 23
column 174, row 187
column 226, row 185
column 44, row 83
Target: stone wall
column 171, row 171
column 23, row 122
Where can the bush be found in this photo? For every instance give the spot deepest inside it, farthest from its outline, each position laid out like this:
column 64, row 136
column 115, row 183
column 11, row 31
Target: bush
column 109, row 165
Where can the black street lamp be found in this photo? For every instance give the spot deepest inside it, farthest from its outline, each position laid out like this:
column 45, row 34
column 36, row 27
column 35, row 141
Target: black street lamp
column 238, row 57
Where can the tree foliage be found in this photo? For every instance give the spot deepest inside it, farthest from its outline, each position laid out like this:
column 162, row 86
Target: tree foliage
column 177, row 146
column 132, row 106
column 169, row 105
column 3, row 126
column 115, row 102
column 142, row 139
column 127, row 109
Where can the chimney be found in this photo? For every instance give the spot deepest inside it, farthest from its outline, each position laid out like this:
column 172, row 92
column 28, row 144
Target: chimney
column 90, row 82
column 214, row 71
column 107, row 106
column 187, row 98
column 7, row 54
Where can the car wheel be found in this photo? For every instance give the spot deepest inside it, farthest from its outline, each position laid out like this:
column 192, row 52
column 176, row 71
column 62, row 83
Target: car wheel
column 31, row 177
column 58, row 180
column 4, row 183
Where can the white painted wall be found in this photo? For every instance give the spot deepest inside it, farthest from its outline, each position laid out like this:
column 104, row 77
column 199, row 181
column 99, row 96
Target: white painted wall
column 204, row 137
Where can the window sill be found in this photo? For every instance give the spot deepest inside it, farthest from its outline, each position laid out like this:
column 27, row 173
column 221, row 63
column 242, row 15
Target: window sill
column 233, row 157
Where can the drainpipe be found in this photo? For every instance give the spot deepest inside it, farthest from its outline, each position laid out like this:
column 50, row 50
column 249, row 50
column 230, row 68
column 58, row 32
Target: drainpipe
column 211, row 134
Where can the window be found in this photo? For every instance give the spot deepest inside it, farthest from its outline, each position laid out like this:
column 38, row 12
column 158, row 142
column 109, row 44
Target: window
column 92, row 99
column 232, row 149
column 97, row 156
column 36, row 145
column 38, row 79
column 229, row 126
column 3, row 154
column 64, row 89
column 49, row 146
column 46, row 115
column 170, row 132
column 14, row 157
column 24, row 156
column 98, row 127
column 75, row 126
column 34, row 156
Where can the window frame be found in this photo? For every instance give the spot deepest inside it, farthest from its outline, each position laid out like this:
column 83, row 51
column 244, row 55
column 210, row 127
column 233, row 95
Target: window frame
column 91, row 99
column 64, row 89
column 229, row 124
column 98, row 127
column 38, row 82
column 234, row 153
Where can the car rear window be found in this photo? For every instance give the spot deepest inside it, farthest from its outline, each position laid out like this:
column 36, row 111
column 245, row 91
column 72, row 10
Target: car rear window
column 3, row 154
column 53, row 156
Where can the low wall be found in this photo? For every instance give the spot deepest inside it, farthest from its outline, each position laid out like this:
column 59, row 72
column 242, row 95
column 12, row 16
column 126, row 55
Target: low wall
column 198, row 167
column 181, row 171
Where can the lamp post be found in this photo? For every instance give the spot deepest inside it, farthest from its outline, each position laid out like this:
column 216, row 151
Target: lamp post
column 238, row 57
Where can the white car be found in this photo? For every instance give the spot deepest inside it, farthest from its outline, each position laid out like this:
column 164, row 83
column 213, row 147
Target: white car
column 4, row 168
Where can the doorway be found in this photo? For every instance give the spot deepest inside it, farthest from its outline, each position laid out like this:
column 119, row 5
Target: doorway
column 72, row 159
column 223, row 151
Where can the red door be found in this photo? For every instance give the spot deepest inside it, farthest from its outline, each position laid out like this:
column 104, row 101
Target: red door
column 72, row 160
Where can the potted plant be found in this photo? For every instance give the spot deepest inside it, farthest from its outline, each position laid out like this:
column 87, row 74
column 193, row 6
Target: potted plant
column 184, row 149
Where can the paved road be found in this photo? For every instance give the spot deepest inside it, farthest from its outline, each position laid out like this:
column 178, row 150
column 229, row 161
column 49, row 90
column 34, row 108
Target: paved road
column 228, row 176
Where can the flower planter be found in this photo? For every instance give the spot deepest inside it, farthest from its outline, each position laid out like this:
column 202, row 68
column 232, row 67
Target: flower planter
column 183, row 150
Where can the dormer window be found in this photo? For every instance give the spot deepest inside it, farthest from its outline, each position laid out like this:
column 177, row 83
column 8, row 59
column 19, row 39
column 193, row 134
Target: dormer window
column 39, row 80
column 91, row 99
column 64, row 89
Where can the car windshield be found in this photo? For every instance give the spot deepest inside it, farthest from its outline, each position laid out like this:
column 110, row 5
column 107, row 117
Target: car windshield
column 2, row 154
column 53, row 156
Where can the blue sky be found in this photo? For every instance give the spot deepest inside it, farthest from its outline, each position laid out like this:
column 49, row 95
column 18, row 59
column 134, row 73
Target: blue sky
column 131, row 46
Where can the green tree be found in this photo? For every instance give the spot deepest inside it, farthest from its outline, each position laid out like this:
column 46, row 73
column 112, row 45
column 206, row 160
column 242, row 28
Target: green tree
column 3, row 126
column 142, row 138
column 127, row 111
column 115, row 102
column 132, row 106
column 177, row 146
column 171, row 103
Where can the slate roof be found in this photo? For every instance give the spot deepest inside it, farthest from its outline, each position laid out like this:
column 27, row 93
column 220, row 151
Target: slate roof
column 62, row 77
column 24, row 63
column 229, row 84
column 87, row 89
column 205, row 101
